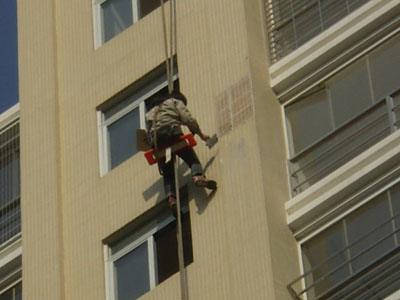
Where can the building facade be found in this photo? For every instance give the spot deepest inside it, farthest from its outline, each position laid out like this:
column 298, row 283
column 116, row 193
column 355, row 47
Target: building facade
column 305, row 99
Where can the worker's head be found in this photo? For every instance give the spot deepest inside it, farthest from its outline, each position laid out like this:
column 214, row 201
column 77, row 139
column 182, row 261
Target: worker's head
column 179, row 96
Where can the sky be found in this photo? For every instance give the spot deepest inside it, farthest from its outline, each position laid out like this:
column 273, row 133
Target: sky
column 8, row 54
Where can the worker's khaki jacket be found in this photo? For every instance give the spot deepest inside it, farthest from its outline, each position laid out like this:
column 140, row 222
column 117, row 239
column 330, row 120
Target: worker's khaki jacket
column 170, row 113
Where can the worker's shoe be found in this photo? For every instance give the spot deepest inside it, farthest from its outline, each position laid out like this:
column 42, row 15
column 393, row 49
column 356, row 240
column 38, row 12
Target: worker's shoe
column 172, row 205
column 202, row 181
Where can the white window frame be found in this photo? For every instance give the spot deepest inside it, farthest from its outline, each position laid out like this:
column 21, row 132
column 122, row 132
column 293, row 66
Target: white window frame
column 98, row 24
column 139, row 103
column 145, row 234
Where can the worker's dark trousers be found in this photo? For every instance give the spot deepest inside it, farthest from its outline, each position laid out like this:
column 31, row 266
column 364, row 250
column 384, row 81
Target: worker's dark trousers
column 189, row 157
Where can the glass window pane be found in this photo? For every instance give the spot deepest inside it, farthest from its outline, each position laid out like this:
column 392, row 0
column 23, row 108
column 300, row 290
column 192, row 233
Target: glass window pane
column 18, row 292
column 117, row 16
column 385, row 69
column 309, row 120
column 350, row 93
column 8, row 295
column 361, row 222
column 122, row 134
column 147, row 6
column 167, row 248
column 395, row 199
column 132, row 273
column 316, row 251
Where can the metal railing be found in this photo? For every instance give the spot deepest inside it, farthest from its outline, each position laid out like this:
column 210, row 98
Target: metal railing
column 291, row 23
column 10, row 209
column 344, row 143
column 376, row 279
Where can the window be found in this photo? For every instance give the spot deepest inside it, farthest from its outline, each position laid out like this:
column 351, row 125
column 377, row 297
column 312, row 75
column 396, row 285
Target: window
column 10, row 216
column 291, row 23
column 358, row 256
column 352, row 111
column 13, row 293
column 9, row 55
column 114, row 16
column 146, row 257
column 121, row 116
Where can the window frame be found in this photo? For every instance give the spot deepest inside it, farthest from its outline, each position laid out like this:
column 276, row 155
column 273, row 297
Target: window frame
column 98, row 21
column 324, row 84
column 139, row 102
column 132, row 241
column 373, row 195
column 295, row 72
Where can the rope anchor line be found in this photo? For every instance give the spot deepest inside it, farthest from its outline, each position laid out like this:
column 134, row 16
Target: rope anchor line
column 169, row 62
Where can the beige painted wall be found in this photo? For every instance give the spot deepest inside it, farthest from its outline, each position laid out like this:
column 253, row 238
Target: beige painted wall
column 68, row 209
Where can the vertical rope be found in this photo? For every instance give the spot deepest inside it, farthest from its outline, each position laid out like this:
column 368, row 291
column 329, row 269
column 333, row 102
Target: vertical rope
column 169, row 75
column 182, row 270
column 170, row 69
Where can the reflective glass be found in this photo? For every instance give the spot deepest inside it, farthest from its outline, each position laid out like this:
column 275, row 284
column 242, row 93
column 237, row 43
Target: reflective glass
column 385, row 68
column 132, row 274
column 359, row 227
column 122, row 135
column 350, row 93
column 395, row 199
column 318, row 251
column 309, row 120
column 117, row 16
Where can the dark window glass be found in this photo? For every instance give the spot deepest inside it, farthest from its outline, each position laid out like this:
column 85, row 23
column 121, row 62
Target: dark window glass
column 318, row 250
column 147, row 6
column 8, row 55
column 385, row 68
column 167, row 248
column 18, row 292
column 122, row 135
column 117, row 16
column 15, row 293
column 360, row 223
column 132, row 272
column 10, row 219
column 309, row 120
column 350, row 92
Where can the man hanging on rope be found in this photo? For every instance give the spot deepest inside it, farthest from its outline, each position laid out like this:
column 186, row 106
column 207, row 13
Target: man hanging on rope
column 164, row 122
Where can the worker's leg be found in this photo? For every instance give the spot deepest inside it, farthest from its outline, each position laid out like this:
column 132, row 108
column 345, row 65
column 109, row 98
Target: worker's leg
column 168, row 177
column 189, row 156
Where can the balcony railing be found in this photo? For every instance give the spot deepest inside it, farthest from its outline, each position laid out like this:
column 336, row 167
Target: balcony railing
column 10, row 210
column 375, row 280
column 291, row 23
column 345, row 143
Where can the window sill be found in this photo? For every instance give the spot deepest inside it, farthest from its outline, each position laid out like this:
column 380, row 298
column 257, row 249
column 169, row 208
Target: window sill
column 346, row 186
column 9, row 116
column 394, row 296
column 298, row 69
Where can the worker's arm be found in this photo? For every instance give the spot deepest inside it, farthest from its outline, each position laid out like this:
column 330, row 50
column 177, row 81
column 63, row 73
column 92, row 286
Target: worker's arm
column 188, row 120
